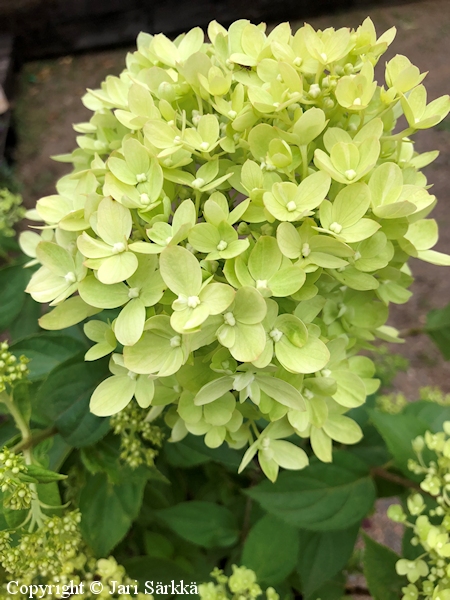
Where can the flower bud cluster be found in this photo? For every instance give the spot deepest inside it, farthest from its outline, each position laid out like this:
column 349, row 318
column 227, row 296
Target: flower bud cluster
column 428, row 575
column 434, row 394
column 246, row 207
column 12, row 369
column 240, row 585
column 80, row 568
column 42, row 552
column 11, row 211
column 17, row 494
column 134, row 432
column 394, row 403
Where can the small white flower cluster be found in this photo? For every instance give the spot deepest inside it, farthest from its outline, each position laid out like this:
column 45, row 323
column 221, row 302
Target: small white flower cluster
column 17, row 494
column 134, row 431
column 240, row 585
column 12, row 369
column 429, row 574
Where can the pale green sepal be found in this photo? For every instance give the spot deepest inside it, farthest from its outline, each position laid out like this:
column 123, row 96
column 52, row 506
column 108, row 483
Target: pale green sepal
column 70, row 312
column 112, row 395
column 129, row 324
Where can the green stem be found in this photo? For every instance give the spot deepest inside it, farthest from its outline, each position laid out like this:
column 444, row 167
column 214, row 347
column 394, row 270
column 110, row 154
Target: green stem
column 37, row 516
column 398, row 479
column 398, row 136
column 255, row 429
column 35, row 439
column 198, row 195
column 138, row 225
column 304, row 155
column 19, row 419
column 411, row 332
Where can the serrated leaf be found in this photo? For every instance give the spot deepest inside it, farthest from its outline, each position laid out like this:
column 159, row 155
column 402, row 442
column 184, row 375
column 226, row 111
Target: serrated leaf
column 321, row 497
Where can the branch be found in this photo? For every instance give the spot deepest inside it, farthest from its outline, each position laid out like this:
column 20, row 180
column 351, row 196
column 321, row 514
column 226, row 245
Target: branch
column 31, row 441
column 411, row 332
column 357, row 590
column 398, row 479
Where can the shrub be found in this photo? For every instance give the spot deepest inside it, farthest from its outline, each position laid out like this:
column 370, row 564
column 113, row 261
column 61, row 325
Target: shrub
column 238, row 219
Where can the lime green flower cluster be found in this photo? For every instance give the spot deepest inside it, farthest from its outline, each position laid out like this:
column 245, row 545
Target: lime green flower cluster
column 14, row 484
column 42, row 552
column 434, row 394
column 12, row 369
column 105, row 570
column 246, row 209
column 240, row 585
column 81, row 568
column 428, row 575
column 392, row 404
column 134, row 430
column 11, row 211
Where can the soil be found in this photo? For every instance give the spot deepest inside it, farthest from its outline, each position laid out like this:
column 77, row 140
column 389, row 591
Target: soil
column 48, row 103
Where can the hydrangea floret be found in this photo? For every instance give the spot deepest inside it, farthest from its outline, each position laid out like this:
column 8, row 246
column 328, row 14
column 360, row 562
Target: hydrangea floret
column 247, row 206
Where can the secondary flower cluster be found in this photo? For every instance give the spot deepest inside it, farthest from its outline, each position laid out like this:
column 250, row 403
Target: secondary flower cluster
column 71, row 573
column 15, row 488
column 11, row 211
column 240, row 585
column 134, row 430
column 246, row 210
column 42, row 552
column 11, row 369
column 428, row 575
column 394, row 403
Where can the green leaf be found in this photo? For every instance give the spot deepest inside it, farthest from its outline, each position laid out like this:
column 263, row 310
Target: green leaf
column 162, row 571
column 379, row 571
column 27, row 324
column 332, row 590
column 398, row 431
column 103, row 529
column 203, row 523
column 64, row 398
column 321, row 497
column 271, row 550
column 44, row 475
column 192, row 451
column 438, row 328
column 46, row 351
column 323, row 555
column 13, row 281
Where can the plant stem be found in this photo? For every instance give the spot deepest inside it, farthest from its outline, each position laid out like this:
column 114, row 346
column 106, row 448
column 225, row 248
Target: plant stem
column 37, row 516
column 35, row 439
column 398, row 479
column 255, row 429
column 412, row 331
column 138, row 225
column 304, row 155
column 398, row 136
column 198, row 195
column 246, row 521
column 357, row 590
column 21, row 424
